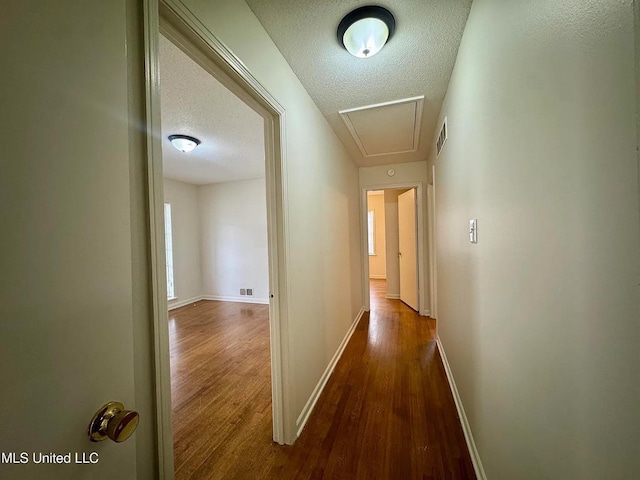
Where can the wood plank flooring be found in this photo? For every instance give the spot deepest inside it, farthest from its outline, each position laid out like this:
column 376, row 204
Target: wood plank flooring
column 220, row 386
column 386, row 412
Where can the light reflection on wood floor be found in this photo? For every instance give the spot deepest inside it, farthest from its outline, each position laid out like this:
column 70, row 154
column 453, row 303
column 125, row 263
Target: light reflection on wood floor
column 386, row 413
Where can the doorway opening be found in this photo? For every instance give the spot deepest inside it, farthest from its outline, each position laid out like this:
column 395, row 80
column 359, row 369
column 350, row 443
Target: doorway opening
column 192, row 39
column 217, row 265
column 393, row 246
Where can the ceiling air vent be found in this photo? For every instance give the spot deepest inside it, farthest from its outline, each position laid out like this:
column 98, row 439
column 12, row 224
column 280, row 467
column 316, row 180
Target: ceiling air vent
column 442, row 137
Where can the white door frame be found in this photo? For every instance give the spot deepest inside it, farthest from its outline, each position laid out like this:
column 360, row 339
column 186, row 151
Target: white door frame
column 433, row 269
column 188, row 33
column 422, row 293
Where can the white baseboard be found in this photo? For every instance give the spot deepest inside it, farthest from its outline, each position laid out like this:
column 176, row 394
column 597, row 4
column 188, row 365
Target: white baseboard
column 378, row 277
column 471, row 444
column 425, row 313
column 393, row 296
column 181, row 303
column 247, row 299
column 315, row 395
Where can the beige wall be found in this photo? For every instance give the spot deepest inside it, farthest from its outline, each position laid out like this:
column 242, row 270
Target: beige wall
column 233, row 222
column 636, row 10
column 540, row 318
column 185, row 218
column 372, row 177
column 322, row 212
column 219, row 240
column 378, row 262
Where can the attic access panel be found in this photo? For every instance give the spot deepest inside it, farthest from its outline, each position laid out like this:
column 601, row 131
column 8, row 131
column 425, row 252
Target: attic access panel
column 386, row 128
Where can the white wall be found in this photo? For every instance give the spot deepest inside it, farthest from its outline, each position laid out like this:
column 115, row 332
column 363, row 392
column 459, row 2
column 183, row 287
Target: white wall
column 233, row 220
column 219, row 240
column 412, row 172
column 378, row 262
column 185, row 213
column 322, row 210
column 540, row 318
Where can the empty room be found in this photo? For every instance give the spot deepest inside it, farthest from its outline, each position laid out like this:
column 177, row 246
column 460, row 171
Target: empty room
column 217, row 266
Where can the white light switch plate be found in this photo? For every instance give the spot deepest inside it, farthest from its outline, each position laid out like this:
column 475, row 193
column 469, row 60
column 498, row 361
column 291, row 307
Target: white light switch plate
column 473, row 230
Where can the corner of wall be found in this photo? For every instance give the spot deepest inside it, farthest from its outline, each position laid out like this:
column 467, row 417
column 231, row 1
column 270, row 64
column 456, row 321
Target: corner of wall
column 317, row 391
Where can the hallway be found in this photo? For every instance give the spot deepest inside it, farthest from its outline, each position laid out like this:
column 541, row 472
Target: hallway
column 385, row 413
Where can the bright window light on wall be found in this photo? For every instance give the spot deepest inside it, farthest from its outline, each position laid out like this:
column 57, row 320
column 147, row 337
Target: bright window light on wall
column 371, row 232
column 168, row 241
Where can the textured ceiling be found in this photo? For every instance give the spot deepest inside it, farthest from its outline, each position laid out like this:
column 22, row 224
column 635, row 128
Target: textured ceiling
column 196, row 104
column 418, row 60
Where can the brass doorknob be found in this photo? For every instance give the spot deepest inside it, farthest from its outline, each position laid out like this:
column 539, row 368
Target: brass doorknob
column 114, row 422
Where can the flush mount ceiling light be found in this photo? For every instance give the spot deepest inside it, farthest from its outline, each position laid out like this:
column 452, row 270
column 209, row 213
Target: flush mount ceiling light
column 184, row 143
column 364, row 31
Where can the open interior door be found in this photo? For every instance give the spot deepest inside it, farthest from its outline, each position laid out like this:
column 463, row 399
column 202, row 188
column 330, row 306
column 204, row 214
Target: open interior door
column 408, row 252
column 66, row 315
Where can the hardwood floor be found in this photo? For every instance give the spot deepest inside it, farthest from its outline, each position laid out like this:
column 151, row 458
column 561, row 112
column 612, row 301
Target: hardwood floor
column 386, row 412
column 220, row 386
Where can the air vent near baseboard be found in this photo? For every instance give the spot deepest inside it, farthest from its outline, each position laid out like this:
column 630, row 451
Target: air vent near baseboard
column 442, row 137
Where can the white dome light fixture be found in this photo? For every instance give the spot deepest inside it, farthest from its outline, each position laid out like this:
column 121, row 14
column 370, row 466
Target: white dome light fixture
column 184, row 143
column 365, row 30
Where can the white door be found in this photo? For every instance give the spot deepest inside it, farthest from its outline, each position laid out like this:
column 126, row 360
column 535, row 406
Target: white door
column 408, row 252
column 66, row 307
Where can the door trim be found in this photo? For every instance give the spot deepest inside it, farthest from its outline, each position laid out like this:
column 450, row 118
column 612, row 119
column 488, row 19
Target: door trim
column 176, row 22
column 159, row 306
column 431, row 217
column 420, row 209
